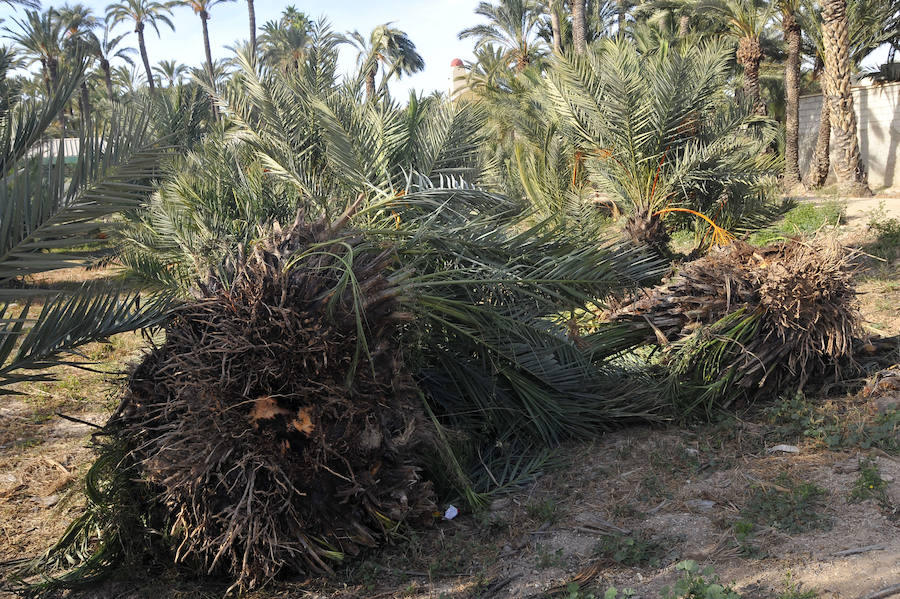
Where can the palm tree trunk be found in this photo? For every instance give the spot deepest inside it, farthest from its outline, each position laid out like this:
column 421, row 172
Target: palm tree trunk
column 749, row 55
column 143, row 48
column 623, row 12
column 370, row 82
column 204, row 18
column 107, row 78
column 821, row 162
column 848, row 167
column 554, row 26
column 252, row 14
column 684, row 24
column 579, row 26
column 53, row 72
column 791, row 179
column 84, row 103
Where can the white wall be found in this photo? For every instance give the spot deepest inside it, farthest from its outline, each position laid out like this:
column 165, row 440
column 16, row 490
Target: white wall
column 878, row 118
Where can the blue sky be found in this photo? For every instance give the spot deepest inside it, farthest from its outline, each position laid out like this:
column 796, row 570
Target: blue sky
column 432, row 26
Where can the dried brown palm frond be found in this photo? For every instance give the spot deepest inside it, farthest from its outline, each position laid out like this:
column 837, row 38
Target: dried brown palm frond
column 278, row 421
column 745, row 320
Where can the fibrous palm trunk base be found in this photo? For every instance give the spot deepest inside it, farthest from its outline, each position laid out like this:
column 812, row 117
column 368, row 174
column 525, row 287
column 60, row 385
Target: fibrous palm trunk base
column 743, row 320
column 275, row 437
column 647, row 228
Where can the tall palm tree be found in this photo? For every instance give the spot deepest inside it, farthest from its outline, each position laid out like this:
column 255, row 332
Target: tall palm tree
column 553, row 8
column 746, row 21
column 579, row 26
column 792, row 38
column 202, row 8
column 41, row 36
column 512, row 25
column 251, row 13
column 79, row 22
column 170, row 71
column 389, row 47
column 141, row 13
column 871, row 23
column 107, row 49
column 851, row 174
column 285, row 42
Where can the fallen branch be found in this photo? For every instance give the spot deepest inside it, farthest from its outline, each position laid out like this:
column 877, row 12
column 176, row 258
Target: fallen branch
column 894, row 589
column 858, row 550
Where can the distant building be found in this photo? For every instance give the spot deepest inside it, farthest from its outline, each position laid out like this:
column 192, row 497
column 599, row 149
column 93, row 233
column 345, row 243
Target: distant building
column 877, row 107
column 71, row 146
column 459, row 80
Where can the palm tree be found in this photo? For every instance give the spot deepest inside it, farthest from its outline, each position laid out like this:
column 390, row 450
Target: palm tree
column 107, row 49
column 746, row 20
column 170, row 71
column 41, row 37
column 251, row 12
column 579, row 26
column 285, row 42
column 654, row 133
column 871, row 23
column 202, row 8
column 141, row 13
column 792, row 39
column 10, row 88
column 79, row 23
column 389, row 47
column 553, row 9
column 513, row 26
column 851, row 174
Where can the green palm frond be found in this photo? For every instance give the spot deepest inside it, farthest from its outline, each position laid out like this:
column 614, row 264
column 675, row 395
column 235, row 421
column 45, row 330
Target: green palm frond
column 65, row 323
column 49, row 206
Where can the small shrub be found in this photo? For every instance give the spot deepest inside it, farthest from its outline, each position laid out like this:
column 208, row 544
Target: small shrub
column 698, row 584
column 869, row 484
column 793, row 590
column 630, row 550
column 793, row 510
column 744, row 531
column 545, row 511
column 887, row 234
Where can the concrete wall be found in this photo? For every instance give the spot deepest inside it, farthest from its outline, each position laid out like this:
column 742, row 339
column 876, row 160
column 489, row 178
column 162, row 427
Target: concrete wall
column 878, row 118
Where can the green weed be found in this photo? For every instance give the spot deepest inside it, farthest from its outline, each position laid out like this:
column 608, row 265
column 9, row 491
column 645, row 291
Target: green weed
column 631, row 550
column 744, row 531
column 792, row 590
column 794, row 509
column 887, row 234
column 869, row 484
column 545, row 511
column 698, row 584
column 836, row 425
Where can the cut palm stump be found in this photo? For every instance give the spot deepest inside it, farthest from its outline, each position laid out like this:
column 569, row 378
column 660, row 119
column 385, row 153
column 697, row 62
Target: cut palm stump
column 278, row 422
column 745, row 320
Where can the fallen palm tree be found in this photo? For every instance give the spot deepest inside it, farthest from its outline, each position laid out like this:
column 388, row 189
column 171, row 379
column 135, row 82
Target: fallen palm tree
column 306, row 399
column 745, row 321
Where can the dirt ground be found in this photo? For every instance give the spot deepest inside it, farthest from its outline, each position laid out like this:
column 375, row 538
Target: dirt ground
column 677, row 493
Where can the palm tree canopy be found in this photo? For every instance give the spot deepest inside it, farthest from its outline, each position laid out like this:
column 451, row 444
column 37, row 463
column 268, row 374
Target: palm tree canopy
column 389, row 46
column 513, row 25
column 141, row 13
column 40, row 34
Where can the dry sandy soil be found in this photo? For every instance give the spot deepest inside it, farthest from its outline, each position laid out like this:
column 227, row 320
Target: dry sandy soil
column 678, row 490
